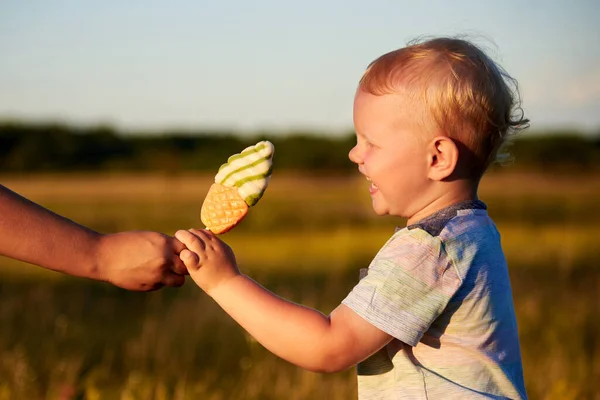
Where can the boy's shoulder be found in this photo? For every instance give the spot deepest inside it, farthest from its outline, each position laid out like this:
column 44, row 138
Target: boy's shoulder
column 454, row 235
column 438, row 223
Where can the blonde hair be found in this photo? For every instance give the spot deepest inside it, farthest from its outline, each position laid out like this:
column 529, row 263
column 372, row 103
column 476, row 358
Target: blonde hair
column 466, row 95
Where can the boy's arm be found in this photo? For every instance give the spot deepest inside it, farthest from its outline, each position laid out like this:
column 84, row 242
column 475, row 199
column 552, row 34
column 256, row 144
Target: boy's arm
column 295, row 333
column 31, row 233
column 298, row 334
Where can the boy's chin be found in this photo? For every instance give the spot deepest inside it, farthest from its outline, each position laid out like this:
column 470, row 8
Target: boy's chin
column 380, row 210
column 384, row 209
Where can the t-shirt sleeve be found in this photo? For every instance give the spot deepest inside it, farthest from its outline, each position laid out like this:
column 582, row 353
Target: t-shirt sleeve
column 408, row 285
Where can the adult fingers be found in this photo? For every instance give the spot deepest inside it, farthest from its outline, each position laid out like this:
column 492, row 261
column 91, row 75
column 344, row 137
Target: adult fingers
column 177, row 245
column 173, row 280
column 177, row 265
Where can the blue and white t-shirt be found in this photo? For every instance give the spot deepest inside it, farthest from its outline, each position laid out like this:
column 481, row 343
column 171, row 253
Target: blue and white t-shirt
column 441, row 288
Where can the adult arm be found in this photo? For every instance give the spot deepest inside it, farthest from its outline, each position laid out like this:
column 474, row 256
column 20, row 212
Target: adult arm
column 134, row 260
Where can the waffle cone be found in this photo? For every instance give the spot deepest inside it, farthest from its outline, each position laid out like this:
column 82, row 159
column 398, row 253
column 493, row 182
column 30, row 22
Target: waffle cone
column 223, row 208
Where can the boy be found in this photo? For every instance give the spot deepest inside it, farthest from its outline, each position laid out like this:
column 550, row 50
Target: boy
column 434, row 317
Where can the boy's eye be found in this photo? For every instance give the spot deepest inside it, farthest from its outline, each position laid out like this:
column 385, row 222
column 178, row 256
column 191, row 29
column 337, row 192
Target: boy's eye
column 368, row 144
column 361, row 140
column 364, row 142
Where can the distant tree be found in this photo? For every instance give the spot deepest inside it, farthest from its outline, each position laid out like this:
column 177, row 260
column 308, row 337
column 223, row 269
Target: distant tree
column 56, row 147
column 564, row 150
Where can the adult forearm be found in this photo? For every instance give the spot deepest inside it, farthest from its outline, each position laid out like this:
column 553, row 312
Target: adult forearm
column 295, row 333
column 33, row 234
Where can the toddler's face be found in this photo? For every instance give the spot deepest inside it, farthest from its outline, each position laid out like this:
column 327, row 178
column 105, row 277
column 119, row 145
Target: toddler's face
column 390, row 153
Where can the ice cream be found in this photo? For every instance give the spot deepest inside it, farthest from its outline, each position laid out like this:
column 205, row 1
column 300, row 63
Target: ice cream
column 240, row 183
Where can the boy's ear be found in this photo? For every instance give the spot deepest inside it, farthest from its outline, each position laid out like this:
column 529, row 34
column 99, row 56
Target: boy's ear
column 442, row 158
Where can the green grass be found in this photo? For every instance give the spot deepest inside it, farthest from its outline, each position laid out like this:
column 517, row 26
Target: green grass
column 69, row 338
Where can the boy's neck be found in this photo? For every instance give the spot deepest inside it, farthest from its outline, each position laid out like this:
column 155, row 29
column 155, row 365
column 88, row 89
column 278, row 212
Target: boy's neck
column 449, row 194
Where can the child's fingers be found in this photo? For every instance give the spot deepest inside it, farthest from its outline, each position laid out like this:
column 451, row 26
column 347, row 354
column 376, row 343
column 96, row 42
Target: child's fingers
column 191, row 241
column 203, row 234
column 190, row 259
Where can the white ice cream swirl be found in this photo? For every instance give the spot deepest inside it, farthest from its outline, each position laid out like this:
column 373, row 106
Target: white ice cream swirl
column 249, row 171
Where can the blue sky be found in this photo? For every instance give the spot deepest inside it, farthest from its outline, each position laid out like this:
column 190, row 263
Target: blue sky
column 266, row 64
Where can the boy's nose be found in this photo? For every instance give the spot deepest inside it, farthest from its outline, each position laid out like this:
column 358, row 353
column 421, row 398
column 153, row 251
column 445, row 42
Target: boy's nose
column 354, row 155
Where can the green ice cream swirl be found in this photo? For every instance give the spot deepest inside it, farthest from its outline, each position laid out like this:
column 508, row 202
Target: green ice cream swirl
column 249, row 171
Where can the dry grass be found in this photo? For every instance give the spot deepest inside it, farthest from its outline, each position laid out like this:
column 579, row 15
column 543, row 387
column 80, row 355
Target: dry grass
column 188, row 186
column 67, row 338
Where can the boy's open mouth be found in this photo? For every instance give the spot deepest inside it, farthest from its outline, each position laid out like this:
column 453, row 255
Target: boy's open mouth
column 373, row 188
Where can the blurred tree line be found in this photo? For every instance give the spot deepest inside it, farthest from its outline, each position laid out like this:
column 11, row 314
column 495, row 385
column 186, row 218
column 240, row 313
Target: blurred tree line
column 57, row 148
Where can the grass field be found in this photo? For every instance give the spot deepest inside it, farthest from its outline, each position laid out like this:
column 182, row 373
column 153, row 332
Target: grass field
column 68, row 338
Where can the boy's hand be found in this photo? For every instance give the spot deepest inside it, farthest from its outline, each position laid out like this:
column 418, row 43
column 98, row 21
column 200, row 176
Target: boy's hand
column 210, row 262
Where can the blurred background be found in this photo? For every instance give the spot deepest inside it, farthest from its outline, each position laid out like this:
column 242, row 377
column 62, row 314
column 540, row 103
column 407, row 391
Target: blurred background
column 117, row 115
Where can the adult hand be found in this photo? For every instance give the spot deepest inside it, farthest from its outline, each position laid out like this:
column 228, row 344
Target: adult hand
column 140, row 260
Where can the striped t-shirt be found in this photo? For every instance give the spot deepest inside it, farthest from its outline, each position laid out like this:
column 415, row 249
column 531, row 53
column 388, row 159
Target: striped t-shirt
column 441, row 288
